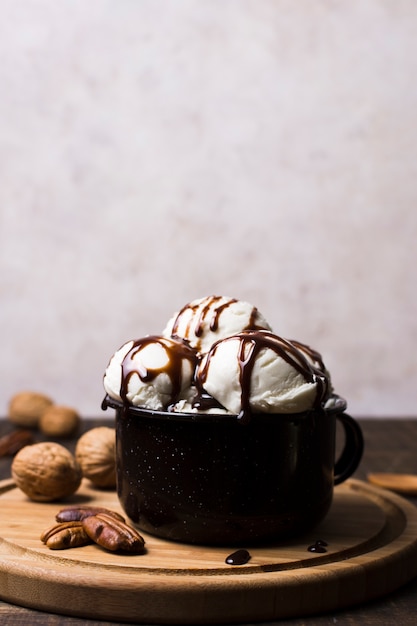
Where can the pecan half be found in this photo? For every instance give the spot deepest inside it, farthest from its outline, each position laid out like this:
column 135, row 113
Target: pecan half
column 113, row 534
column 65, row 535
column 78, row 513
column 15, row 441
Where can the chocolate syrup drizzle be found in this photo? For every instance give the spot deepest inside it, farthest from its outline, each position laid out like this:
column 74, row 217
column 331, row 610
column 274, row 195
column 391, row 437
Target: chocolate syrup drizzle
column 176, row 353
column 304, row 359
column 312, row 354
column 209, row 314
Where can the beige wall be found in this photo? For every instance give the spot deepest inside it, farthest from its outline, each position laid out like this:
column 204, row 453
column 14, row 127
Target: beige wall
column 155, row 152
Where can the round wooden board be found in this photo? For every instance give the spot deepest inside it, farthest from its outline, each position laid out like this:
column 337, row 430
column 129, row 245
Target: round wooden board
column 372, row 550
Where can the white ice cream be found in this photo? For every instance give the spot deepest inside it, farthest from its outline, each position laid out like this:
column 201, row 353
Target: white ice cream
column 206, row 320
column 260, row 372
column 152, row 372
column 218, row 355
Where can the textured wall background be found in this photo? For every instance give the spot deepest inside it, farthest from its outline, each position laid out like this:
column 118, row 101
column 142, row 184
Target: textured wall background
column 155, row 152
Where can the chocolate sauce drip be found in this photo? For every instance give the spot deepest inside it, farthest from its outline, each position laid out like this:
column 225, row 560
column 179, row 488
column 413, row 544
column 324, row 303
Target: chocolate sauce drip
column 319, row 546
column 176, row 353
column 197, row 328
column 240, row 557
column 251, row 343
column 316, row 358
column 216, row 312
column 202, row 400
column 313, row 354
column 209, row 314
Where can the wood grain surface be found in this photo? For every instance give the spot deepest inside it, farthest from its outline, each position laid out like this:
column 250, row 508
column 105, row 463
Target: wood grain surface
column 372, row 550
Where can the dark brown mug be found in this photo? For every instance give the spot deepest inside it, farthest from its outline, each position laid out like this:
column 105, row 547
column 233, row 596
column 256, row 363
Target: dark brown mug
column 210, row 479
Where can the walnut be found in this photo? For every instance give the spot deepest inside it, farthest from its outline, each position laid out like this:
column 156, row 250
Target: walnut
column 27, row 407
column 46, row 471
column 96, row 453
column 59, row 421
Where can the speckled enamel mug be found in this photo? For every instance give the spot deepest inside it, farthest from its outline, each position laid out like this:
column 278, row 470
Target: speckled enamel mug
column 209, row 479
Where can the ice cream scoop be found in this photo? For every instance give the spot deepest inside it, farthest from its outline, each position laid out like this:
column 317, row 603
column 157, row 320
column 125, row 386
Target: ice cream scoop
column 206, row 320
column 260, row 372
column 151, row 372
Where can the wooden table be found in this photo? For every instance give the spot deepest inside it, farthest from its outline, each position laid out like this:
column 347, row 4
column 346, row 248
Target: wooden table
column 390, row 446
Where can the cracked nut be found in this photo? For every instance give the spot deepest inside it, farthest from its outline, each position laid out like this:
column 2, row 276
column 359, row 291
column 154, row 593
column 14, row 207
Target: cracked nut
column 96, row 453
column 59, row 421
column 46, row 471
column 78, row 513
column 112, row 534
column 65, row 535
column 26, row 408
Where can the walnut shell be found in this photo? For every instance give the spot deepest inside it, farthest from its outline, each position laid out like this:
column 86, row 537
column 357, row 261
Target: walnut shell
column 27, row 407
column 96, row 453
column 59, row 421
column 46, row 471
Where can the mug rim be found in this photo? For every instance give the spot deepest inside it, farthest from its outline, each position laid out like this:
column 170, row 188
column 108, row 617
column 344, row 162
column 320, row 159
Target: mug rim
column 335, row 404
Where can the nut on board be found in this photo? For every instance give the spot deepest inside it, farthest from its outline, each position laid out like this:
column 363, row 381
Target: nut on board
column 65, row 535
column 112, row 534
column 11, row 443
column 78, row 513
column 59, row 421
column 79, row 526
column 96, row 453
column 26, row 408
column 46, row 471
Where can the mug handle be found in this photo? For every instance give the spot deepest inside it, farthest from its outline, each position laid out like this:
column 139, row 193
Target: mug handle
column 353, row 449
